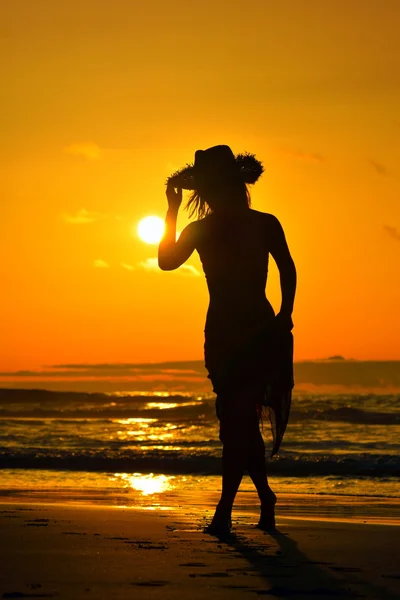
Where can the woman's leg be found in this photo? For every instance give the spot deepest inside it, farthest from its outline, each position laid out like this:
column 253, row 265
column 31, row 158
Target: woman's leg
column 258, row 472
column 234, row 434
column 233, row 462
column 256, row 465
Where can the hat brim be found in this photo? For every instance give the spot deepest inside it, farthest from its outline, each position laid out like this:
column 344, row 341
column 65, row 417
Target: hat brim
column 248, row 168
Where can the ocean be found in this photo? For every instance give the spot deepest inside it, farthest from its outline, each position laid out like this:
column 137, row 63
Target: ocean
column 121, row 446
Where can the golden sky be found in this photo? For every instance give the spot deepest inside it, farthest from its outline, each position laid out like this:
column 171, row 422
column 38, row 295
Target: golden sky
column 101, row 101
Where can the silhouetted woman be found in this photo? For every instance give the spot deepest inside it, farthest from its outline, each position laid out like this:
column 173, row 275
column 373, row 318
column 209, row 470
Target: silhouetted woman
column 248, row 350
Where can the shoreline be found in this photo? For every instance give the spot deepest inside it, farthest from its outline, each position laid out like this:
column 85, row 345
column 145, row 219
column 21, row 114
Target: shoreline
column 238, row 515
column 371, row 510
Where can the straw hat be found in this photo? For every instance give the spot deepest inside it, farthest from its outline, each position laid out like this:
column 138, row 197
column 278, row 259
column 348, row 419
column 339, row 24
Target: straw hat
column 217, row 164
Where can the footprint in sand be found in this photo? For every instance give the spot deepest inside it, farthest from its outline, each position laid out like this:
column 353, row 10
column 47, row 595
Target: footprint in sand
column 151, row 583
column 282, row 592
column 236, row 587
column 146, row 545
column 37, row 523
column 347, row 569
column 209, row 575
column 24, row 595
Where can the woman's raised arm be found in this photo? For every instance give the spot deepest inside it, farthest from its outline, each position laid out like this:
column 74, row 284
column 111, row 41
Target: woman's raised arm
column 171, row 253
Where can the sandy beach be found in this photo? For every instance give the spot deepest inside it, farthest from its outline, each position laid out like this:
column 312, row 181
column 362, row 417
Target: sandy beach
column 83, row 551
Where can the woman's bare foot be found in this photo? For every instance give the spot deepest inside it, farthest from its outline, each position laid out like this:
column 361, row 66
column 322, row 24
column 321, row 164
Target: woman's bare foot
column 267, row 516
column 221, row 522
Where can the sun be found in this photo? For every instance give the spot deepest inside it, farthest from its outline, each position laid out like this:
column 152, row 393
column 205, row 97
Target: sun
column 151, row 230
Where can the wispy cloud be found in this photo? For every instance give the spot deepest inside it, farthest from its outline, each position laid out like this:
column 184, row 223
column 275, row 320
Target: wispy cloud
column 81, row 217
column 393, row 232
column 151, row 264
column 379, row 167
column 189, row 376
column 314, row 157
column 190, row 366
column 185, row 376
column 189, row 270
column 88, row 150
column 100, row 264
column 127, row 266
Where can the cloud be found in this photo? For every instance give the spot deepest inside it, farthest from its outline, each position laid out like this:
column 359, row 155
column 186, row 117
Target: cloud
column 82, row 217
column 88, row 150
column 100, row 264
column 313, row 157
column 151, row 264
column 190, row 270
column 185, row 368
column 73, row 369
column 189, row 376
column 127, row 266
column 379, row 168
column 393, row 232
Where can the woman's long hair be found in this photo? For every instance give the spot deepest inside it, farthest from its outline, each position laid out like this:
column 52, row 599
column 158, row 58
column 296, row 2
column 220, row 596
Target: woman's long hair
column 212, row 196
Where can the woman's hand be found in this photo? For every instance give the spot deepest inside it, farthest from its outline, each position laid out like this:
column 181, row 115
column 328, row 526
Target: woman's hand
column 174, row 197
column 284, row 321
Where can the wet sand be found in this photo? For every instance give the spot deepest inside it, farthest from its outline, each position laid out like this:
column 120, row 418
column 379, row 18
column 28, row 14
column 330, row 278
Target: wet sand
column 95, row 552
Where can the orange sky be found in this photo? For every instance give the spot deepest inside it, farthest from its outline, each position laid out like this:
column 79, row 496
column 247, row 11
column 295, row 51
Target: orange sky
column 103, row 100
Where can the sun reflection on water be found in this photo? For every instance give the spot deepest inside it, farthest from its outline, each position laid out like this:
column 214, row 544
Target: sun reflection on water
column 142, row 430
column 133, row 420
column 151, row 394
column 146, row 484
column 165, row 405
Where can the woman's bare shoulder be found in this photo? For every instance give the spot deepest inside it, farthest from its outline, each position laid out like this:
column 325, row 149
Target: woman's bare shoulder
column 202, row 223
column 198, row 229
column 267, row 218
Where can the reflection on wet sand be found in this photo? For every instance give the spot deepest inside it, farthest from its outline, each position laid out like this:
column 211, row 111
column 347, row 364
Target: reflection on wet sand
column 146, row 484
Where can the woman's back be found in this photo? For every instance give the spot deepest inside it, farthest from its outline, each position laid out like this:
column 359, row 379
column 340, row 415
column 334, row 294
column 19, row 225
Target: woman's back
column 234, row 249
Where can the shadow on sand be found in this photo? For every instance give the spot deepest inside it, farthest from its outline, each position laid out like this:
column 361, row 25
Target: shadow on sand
column 288, row 571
